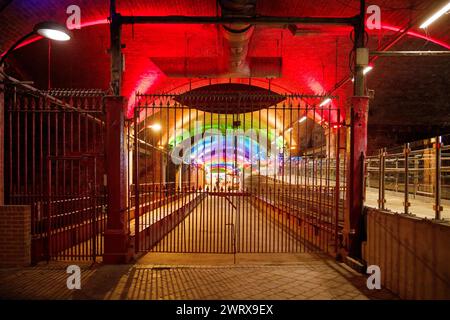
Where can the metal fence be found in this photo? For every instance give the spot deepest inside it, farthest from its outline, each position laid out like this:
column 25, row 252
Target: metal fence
column 54, row 162
column 411, row 179
column 207, row 176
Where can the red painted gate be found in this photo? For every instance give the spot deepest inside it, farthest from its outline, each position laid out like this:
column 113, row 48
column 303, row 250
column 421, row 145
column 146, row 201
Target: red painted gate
column 55, row 163
column 235, row 169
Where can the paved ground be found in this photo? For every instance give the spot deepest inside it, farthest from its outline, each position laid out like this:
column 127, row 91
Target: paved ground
column 302, row 276
column 228, row 224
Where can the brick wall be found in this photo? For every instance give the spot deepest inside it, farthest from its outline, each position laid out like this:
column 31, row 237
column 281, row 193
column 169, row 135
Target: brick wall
column 15, row 239
column 411, row 97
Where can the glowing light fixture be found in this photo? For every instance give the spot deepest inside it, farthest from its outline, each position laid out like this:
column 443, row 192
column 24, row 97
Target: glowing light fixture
column 325, row 102
column 53, row 31
column 48, row 29
column 155, row 127
column 289, row 130
column 367, row 69
column 435, row 16
column 303, row 119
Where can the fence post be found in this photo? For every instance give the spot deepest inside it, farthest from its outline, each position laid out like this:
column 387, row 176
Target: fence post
column 337, row 193
column 48, row 251
column 416, row 175
column 381, row 200
column 136, row 181
column 406, row 203
column 437, row 206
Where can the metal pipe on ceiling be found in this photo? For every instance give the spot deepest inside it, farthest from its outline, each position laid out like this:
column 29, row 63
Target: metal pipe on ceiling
column 237, row 36
column 410, row 53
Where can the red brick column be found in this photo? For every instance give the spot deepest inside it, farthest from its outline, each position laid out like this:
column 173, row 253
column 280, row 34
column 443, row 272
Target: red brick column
column 15, row 239
column 116, row 234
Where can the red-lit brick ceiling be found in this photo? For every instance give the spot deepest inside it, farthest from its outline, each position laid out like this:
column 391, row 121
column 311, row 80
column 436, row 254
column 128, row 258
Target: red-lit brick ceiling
column 310, row 64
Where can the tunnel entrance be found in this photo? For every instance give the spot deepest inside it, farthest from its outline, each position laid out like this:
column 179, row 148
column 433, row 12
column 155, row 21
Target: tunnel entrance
column 234, row 171
column 210, row 171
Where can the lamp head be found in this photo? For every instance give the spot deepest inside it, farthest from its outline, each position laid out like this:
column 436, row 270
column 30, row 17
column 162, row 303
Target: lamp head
column 52, row 30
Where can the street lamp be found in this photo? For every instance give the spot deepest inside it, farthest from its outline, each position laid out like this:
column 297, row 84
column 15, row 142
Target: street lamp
column 48, row 29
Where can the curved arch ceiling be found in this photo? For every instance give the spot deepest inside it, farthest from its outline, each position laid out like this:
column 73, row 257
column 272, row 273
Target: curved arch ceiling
column 205, row 153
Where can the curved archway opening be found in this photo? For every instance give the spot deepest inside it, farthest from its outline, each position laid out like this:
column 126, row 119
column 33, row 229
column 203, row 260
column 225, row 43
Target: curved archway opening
column 230, row 131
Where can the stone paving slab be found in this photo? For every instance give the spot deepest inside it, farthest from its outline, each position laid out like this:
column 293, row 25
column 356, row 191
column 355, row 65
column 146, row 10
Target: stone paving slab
column 307, row 280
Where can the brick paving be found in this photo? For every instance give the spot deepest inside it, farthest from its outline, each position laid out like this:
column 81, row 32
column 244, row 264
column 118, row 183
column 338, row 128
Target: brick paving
column 310, row 279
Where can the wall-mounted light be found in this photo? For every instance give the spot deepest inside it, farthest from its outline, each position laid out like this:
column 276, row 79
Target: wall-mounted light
column 435, row 16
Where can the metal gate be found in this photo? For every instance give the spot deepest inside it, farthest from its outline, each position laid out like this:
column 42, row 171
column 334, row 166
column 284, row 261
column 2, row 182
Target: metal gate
column 235, row 168
column 54, row 162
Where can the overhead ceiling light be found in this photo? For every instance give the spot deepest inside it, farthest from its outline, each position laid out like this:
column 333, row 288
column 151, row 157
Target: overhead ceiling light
column 52, row 30
column 155, row 127
column 289, row 129
column 303, row 119
column 367, row 69
column 325, row 102
column 435, row 16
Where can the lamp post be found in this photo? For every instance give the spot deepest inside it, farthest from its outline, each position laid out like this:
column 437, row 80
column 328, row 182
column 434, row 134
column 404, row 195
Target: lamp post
column 48, row 29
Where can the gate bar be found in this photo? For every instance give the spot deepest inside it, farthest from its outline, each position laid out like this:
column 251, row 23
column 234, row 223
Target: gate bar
column 406, row 203
column 437, row 205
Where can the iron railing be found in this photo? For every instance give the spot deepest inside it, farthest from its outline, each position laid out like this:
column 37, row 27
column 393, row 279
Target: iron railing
column 221, row 175
column 411, row 179
column 54, row 162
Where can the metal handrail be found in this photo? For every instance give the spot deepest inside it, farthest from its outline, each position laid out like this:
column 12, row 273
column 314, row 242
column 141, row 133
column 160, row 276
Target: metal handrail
column 422, row 171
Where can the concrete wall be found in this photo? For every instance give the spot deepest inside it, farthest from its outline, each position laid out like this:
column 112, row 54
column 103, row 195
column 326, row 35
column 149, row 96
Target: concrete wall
column 15, row 236
column 413, row 254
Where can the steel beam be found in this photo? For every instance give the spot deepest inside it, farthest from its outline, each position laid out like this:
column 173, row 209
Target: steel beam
column 399, row 36
column 410, row 53
column 115, row 50
column 260, row 20
column 116, row 235
column 356, row 148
